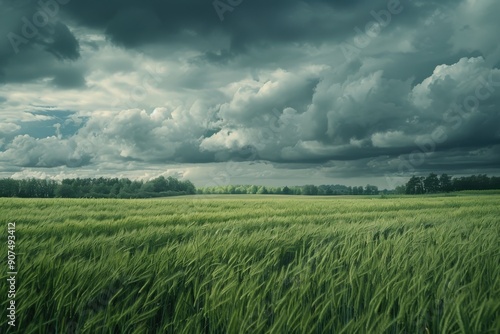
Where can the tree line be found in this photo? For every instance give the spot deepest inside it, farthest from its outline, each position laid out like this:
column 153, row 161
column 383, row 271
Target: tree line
column 446, row 183
column 95, row 188
column 162, row 187
column 322, row 190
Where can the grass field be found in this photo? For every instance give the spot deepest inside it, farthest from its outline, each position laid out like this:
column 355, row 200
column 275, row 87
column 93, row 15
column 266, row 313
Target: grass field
column 255, row 264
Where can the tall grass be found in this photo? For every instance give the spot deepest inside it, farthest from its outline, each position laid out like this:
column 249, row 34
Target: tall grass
column 257, row 265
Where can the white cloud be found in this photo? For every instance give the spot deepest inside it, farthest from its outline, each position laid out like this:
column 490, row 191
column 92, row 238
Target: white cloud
column 6, row 128
column 46, row 152
column 391, row 139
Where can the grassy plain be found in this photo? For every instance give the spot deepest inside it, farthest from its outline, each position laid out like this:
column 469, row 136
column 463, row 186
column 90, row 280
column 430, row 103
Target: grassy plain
column 255, row 264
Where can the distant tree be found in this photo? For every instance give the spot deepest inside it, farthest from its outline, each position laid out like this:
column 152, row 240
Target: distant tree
column 330, row 191
column 252, row 190
column 64, row 190
column 173, row 184
column 115, row 189
column 286, row 190
column 241, row 190
column 371, row 190
column 148, row 187
column 276, row 190
column 160, row 184
column 309, row 190
column 445, row 184
column 494, row 182
column 400, row 189
column 262, row 190
column 414, row 186
column 231, row 189
column 482, row 182
column 9, row 188
column 431, row 183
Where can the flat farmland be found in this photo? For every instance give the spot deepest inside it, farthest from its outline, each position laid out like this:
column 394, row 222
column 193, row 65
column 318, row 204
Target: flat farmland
column 255, row 264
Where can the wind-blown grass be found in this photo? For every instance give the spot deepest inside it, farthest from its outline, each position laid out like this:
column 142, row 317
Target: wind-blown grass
column 257, row 264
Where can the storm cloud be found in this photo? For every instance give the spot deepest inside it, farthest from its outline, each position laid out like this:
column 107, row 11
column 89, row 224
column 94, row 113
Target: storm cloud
column 287, row 92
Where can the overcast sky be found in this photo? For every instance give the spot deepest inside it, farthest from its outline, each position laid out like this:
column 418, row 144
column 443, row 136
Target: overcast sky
column 250, row 92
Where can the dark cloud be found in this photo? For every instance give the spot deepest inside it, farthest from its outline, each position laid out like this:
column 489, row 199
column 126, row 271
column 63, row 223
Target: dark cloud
column 68, row 78
column 133, row 23
column 28, row 33
column 336, row 88
column 63, row 44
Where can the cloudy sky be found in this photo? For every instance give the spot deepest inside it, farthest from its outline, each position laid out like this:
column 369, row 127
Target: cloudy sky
column 238, row 91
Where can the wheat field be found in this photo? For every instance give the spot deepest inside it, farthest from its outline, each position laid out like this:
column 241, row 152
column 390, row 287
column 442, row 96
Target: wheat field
column 256, row 264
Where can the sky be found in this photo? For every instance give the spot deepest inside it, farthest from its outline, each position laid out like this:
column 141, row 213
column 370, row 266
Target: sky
column 250, row 92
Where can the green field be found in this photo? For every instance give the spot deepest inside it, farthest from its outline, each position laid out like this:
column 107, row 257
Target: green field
column 255, row 264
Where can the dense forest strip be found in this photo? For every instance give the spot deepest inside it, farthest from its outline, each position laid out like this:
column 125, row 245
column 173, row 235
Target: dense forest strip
column 95, row 188
column 164, row 187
